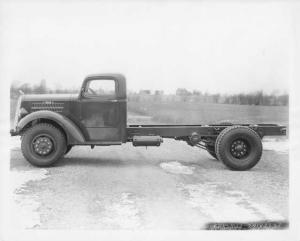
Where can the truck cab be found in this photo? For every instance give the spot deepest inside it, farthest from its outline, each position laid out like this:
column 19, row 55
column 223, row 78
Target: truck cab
column 103, row 108
column 98, row 114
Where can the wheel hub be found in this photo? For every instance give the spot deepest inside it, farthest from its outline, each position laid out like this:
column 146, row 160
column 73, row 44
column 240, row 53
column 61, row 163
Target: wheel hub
column 42, row 145
column 239, row 149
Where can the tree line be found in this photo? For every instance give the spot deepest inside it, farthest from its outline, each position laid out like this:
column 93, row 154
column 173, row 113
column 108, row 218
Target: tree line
column 181, row 94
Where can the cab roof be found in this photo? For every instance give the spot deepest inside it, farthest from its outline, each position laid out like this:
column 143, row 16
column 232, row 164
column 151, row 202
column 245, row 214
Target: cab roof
column 106, row 75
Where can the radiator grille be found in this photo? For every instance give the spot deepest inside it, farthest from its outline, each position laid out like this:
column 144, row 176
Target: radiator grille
column 52, row 106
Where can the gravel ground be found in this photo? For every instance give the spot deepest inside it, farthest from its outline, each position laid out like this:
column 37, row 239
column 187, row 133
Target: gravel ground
column 174, row 186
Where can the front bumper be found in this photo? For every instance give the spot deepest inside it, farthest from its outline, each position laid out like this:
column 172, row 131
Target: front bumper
column 14, row 132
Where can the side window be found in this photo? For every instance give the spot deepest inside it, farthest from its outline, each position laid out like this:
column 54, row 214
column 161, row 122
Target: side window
column 102, row 87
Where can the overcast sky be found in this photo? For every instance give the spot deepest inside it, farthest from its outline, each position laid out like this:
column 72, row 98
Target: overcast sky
column 210, row 46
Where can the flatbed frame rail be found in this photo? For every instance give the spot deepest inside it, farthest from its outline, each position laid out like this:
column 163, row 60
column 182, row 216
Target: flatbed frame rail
column 173, row 131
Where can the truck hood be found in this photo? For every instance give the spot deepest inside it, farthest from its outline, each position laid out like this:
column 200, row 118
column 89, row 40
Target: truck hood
column 53, row 97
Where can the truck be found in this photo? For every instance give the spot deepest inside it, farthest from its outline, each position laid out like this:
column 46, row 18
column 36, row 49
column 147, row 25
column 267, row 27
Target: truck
column 51, row 124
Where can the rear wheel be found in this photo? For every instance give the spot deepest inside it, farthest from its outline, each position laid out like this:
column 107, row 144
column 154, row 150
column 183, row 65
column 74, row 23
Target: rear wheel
column 226, row 122
column 211, row 151
column 238, row 147
column 211, row 148
column 43, row 144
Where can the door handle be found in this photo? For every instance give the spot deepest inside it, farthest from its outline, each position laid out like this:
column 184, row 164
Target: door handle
column 113, row 101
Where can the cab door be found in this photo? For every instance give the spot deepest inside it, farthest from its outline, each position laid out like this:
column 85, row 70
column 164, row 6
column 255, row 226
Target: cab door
column 100, row 110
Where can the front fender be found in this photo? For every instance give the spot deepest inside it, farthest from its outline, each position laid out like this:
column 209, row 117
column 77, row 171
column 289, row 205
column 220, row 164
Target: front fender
column 74, row 135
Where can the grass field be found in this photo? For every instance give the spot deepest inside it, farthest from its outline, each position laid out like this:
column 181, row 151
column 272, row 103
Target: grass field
column 205, row 113
column 198, row 113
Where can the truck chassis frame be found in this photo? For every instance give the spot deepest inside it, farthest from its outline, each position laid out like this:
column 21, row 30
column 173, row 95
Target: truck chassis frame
column 51, row 125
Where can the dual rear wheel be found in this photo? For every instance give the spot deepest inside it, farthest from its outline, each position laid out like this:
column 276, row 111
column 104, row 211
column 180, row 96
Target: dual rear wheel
column 211, row 150
column 238, row 147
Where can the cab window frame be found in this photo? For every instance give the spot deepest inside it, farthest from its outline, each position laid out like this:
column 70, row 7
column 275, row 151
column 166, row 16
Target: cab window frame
column 87, row 95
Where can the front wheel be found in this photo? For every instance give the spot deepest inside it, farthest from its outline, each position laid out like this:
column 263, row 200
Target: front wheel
column 43, row 144
column 239, row 147
column 69, row 147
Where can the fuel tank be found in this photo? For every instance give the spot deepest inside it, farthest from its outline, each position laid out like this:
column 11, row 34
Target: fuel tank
column 147, row 140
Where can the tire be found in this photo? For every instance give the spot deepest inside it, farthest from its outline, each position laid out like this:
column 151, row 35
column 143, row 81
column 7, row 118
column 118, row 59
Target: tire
column 211, row 151
column 43, row 144
column 225, row 122
column 69, row 147
column 238, row 147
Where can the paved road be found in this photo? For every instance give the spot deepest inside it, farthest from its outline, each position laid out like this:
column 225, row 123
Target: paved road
column 123, row 187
